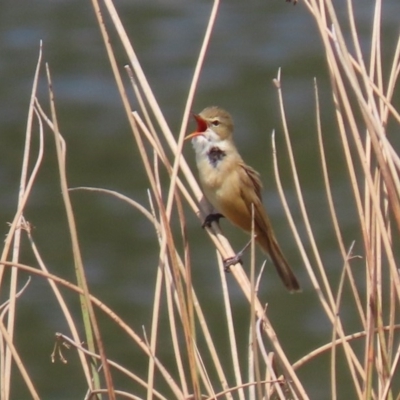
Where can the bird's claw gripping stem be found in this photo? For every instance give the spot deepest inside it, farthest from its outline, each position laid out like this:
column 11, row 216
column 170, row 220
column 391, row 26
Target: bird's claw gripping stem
column 228, row 262
column 215, row 217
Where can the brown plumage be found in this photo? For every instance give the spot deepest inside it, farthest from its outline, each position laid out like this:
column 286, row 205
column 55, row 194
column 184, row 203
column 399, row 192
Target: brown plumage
column 231, row 186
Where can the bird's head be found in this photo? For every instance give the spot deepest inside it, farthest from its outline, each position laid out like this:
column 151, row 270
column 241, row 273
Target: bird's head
column 213, row 125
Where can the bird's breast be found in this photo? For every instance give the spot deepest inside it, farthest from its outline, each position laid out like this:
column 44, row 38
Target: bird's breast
column 215, row 167
column 221, row 185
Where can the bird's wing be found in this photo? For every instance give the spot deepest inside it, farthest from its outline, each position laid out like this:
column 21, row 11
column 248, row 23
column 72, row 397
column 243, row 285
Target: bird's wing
column 251, row 178
column 251, row 193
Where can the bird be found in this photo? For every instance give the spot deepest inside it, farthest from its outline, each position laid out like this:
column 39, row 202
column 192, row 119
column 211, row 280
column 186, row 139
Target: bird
column 232, row 187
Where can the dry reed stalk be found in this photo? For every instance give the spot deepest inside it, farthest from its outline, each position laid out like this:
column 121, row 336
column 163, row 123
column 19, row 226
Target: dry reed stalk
column 363, row 108
column 151, row 108
column 14, row 239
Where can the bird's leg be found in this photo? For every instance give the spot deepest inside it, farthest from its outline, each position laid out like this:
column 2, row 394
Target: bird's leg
column 228, row 262
column 214, row 217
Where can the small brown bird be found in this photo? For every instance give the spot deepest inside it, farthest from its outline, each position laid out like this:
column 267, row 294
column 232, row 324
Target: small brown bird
column 232, row 187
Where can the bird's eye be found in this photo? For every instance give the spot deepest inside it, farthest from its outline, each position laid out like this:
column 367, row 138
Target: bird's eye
column 215, row 122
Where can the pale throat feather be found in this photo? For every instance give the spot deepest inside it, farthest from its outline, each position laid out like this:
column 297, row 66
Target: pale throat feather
column 207, row 148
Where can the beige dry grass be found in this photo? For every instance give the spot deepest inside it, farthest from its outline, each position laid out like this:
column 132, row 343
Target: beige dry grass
column 354, row 76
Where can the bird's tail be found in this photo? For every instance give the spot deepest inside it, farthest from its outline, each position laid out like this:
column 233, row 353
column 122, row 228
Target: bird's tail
column 270, row 246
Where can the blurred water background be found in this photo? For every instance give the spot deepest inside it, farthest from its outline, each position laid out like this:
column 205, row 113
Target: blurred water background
column 251, row 41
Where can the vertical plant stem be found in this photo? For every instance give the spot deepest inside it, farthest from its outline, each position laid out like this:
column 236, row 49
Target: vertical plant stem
column 15, row 236
column 90, row 322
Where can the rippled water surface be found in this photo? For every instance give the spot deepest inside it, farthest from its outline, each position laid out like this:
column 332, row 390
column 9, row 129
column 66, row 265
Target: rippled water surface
column 252, row 40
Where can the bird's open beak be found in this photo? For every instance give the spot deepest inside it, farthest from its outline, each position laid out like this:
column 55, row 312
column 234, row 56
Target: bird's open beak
column 201, row 127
